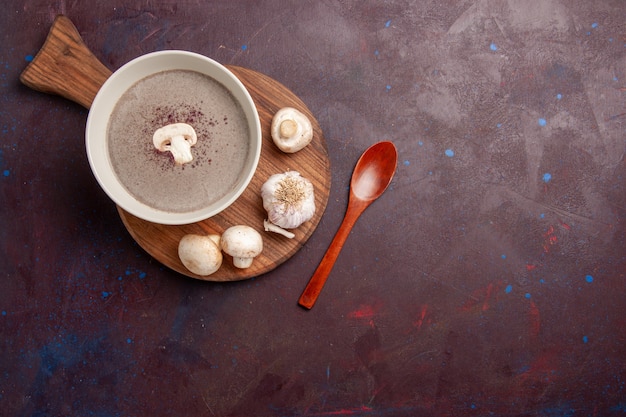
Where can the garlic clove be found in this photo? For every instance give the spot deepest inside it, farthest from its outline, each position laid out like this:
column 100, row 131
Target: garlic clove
column 271, row 227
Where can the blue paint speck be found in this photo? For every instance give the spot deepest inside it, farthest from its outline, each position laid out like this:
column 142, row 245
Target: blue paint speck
column 508, row 289
column 449, row 153
column 142, row 275
column 376, row 52
column 547, row 177
column 559, row 96
column 388, row 87
column 420, row 143
column 585, row 339
column 542, row 215
column 527, row 295
column 105, row 294
column 594, row 25
column 4, row 313
column 589, row 278
column 407, row 163
column 542, row 121
column 6, row 172
column 493, row 47
column 29, row 58
column 244, row 47
column 388, row 23
column 503, row 256
column 129, row 340
column 499, row 125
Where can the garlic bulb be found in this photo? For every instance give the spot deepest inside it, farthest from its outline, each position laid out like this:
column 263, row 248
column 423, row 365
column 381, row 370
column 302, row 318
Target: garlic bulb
column 288, row 199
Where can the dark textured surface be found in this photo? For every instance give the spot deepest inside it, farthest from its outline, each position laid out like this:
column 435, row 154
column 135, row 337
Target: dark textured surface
column 488, row 280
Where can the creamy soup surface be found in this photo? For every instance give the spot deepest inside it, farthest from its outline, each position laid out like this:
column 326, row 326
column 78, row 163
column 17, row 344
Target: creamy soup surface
column 178, row 96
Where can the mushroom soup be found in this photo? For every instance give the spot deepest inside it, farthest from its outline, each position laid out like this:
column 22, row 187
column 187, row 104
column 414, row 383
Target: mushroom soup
column 152, row 176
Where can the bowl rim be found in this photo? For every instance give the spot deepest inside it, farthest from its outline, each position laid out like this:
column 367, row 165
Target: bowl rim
column 104, row 103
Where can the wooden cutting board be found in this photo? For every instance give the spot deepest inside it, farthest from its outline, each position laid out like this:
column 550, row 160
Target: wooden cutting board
column 161, row 241
column 65, row 66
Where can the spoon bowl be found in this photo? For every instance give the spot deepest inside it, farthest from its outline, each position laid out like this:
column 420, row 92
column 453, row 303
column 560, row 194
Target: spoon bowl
column 373, row 171
column 371, row 177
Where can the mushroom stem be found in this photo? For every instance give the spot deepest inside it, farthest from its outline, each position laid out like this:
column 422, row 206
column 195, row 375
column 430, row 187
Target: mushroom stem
column 242, row 263
column 180, row 149
column 288, row 128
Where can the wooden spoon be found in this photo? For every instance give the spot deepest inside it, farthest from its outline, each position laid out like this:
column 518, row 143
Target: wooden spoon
column 371, row 177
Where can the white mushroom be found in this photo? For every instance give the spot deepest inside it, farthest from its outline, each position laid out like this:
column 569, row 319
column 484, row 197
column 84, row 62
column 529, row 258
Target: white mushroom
column 243, row 243
column 288, row 199
column 291, row 130
column 177, row 138
column 200, row 254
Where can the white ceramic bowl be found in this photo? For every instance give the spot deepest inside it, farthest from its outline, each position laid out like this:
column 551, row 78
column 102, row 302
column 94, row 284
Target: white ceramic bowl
column 108, row 96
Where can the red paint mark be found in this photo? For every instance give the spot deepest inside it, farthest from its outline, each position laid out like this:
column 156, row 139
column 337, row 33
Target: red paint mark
column 365, row 312
column 363, row 44
column 482, row 297
column 418, row 323
column 530, row 267
column 565, row 225
column 535, row 319
column 542, row 369
column 549, row 239
column 487, row 297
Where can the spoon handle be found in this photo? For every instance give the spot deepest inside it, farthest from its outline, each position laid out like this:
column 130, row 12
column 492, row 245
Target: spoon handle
column 317, row 281
column 65, row 66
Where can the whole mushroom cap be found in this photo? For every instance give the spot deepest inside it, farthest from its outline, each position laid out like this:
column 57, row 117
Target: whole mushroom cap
column 200, row 254
column 243, row 243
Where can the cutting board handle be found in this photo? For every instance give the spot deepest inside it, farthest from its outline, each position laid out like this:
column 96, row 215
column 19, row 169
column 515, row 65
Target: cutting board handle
column 65, row 66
